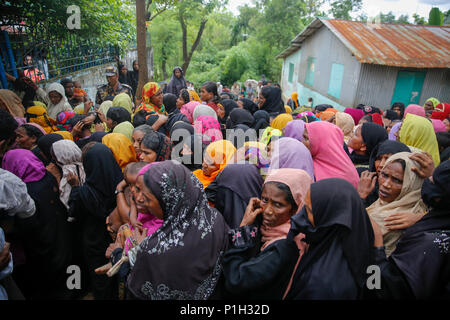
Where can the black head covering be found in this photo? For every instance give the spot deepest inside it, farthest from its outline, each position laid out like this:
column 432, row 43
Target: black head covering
column 46, row 142
column 176, row 84
column 428, row 276
column 229, row 106
column 249, row 105
column 96, row 136
column 178, row 126
column 372, row 135
column 273, row 99
column 262, row 120
column 401, row 106
column 174, row 118
column 386, row 147
column 118, row 114
column 240, row 116
column 322, row 107
column 170, row 102
column 139, row 118
column 233, row 195
column 195, row 143
column 341, row 241
column 182, row 259
column 229, row 95
column 371, row 109
column 392, row 115
column 151, row 119
column 102, row 176
column 445, row 155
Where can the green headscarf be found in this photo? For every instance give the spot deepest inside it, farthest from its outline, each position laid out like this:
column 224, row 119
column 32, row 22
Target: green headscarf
column 123, row 100
column 125, row 128
column 433, row 100
column 268, row 133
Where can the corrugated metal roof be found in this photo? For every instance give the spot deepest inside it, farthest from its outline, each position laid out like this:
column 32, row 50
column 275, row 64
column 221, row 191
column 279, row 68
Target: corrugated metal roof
column 396, row 45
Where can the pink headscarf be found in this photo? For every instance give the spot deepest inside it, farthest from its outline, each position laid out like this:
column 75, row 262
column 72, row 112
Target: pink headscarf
column 37, row 126
column 327, row 149
column 298, row 182
column 209, row 128
column 188, row 110
column 356, row 114
column 414, row 109
column 438, row 125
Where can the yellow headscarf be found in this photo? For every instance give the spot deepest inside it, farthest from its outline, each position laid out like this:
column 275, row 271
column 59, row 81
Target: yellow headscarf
column 104, row 107
column 281, row 121
column 38, row 114
column 433, row 100
column 65, row 134
column 194, row 96
column 418, row 132
column 125, row 128
column 121, row 147
column 288, row 109
column 221, row 152
column 123, row 100
column 294, row 97
column 268, row 133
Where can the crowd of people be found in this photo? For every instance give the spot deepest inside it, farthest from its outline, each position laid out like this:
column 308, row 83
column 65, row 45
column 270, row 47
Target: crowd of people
column 203, row 194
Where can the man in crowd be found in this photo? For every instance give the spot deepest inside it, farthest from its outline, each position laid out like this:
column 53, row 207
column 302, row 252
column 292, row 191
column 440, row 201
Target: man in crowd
column 113, row 88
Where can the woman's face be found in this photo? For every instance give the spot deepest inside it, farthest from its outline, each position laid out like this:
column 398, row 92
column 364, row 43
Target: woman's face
column 205, row 95
column 208, row 165
column 240, row 104
column 398, row 110
column 357, row 142
column 220, row 111
column 390, row 181
column 180, row 101
column 447, row 124
column 381, row 161
column 147, row 155
column 429, row 105
column 146, row 202
column 55, row 97
column 137, row 137
column 276, row 209
column 261, row 100
column 23, row 140
column 157, row 98
column 111, row 123
column 305, row 140
column 178, row 73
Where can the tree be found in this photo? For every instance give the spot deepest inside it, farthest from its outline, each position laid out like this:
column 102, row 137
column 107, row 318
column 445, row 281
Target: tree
column 340, row 9
column 435, row 17
column 418, row 19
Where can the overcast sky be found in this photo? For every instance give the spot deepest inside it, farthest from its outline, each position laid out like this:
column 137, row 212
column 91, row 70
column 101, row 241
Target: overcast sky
column 372, row 7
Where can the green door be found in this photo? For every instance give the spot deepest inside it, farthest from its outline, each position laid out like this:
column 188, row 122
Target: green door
column 408, row 87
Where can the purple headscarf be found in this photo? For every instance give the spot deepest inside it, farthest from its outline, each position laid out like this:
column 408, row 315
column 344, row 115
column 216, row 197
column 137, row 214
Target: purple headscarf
column 291, row 153
column 24, row 164
column 394, row 129
column 294, row 129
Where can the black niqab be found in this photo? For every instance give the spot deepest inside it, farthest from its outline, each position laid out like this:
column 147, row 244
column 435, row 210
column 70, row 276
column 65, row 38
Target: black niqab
column 273, row 101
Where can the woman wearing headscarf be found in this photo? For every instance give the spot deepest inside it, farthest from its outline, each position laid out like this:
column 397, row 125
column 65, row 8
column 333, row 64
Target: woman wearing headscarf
column 268, row 133
column 62, row 120
column 170, row 102
column 203, row 110
column 368, row 184
column 293, row 101
column 414, row 109
column 262, row 120
column 409, row 273
column 195, row 230
column 229, row 105
column 291, row 153
column 155, row 146
column 192, row 153
column 325, row 142
column 46, row 244
column 123, row 100
column 294, row 129
column 258, row 265
column 39, row 115
column 247, row 104
column 367, row 136
column 399, row 108
column 217, row 155
column 240, row 116
column 65, row 134
column 281, row 121
column 438, row 126
column 399, row 191
column 340, row 238
column 179, row 131
column 125, row 128
column 208, row 128
column 45, row 146
column 117, row 115
column 346, row 123
column 356, row 114
column 56, row 100
column 67, row 156
column 177, row 82
column 441, row 111
column 121, row 147
column 270, row 100
column 418, row 132
column 10, row 102
column 27, row 136
column 188, row 110
column 90, row 203
column 152, row 99
column 430, row 104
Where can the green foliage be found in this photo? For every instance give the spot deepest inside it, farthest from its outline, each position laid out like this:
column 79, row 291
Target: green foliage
column 340, row 9
column 435, row 17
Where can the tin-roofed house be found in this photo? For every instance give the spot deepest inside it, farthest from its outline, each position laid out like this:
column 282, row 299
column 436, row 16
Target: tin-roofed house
column 345, row 63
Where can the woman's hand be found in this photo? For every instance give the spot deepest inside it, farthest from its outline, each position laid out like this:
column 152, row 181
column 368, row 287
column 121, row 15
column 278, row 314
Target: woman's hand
column 72, row 179
column 99, row 127
column 252, row 211
column 426, row 164
column 87, row 106
column 366, row 183
column 101, row 115
column 54, row 170
column 122, row 185
column 402, row 220
column 5, row 257
column 378, row 235
column 77, row 129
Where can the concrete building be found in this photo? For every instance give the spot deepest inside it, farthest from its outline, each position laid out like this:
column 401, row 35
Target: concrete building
column 345, row 63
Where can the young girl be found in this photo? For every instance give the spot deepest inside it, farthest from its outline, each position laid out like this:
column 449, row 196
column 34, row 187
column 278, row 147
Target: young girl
column 210, row 96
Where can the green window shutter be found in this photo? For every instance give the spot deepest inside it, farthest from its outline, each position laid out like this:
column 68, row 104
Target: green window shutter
column 291, row 72
column 311, row 66
column 336, row 76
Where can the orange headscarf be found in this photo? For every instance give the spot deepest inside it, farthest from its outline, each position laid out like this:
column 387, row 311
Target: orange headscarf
column 221, row 152
column 148, row 91
column 121, row 147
